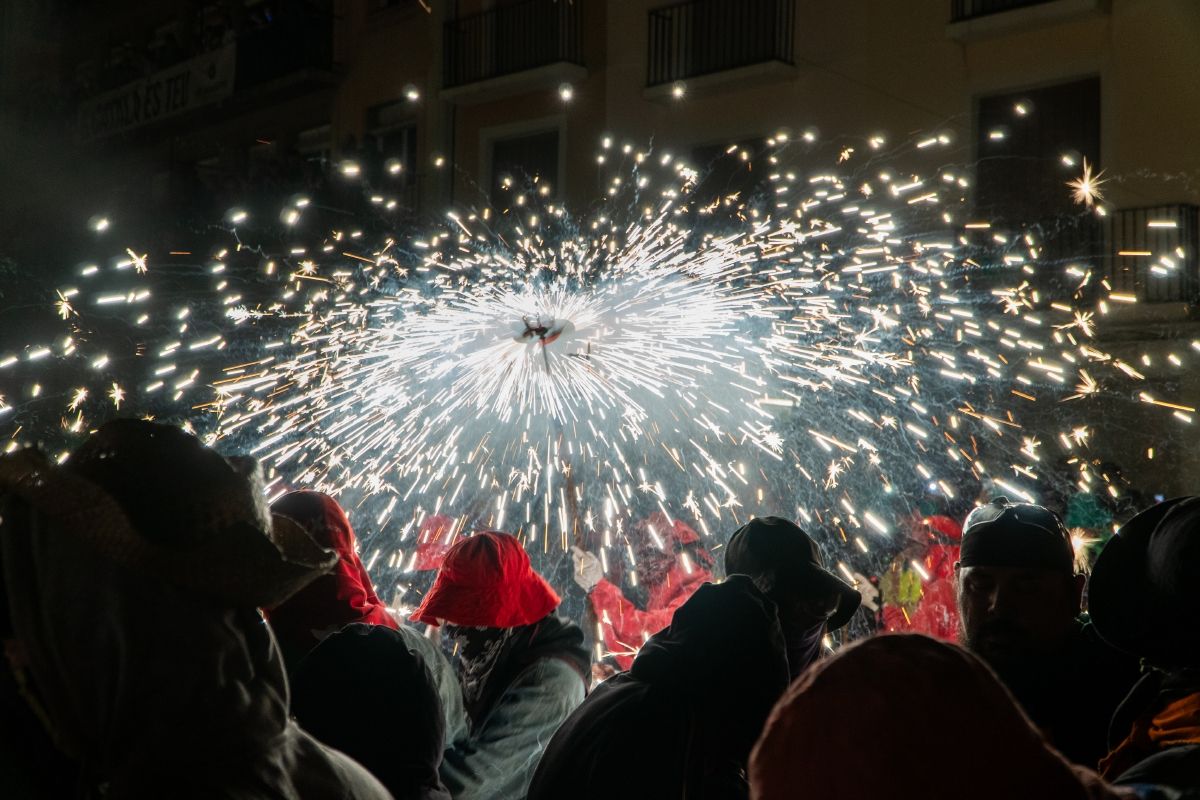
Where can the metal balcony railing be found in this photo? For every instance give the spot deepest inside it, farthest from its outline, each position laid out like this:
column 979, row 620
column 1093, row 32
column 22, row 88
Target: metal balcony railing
column 700, row 37
column 970, row 9
column 1155, row 253
column 512, row 38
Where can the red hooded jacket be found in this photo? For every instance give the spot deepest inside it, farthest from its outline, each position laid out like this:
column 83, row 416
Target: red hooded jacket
column 335, row 599
column 624, row 626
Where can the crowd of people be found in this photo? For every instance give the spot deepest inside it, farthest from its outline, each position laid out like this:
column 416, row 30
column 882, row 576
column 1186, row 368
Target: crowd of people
column 167, row 634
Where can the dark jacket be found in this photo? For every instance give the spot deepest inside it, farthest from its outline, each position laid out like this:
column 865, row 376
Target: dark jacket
column 1155, row 734
column 1071, row 695
column 682, row 721
column 364, row 692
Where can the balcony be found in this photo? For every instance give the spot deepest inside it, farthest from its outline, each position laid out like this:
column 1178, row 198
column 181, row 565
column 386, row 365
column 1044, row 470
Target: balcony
column 259, row 65
column 514, row 48
column 970, row 9
column 1155, row 254
column 971, row 20
column 701, row 38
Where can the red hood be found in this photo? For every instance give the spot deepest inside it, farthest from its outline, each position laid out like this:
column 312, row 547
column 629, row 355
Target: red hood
column 334, row 600
column 487, row 581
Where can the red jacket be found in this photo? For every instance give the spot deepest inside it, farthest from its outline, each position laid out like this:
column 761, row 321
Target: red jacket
column 624, row 626
column 333, row 600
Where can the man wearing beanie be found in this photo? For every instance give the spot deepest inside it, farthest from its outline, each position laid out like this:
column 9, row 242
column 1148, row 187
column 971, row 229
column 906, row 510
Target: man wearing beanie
column 1019, row 602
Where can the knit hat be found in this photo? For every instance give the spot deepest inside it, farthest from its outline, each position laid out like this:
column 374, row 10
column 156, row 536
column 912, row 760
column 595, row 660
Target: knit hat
column 487, row 581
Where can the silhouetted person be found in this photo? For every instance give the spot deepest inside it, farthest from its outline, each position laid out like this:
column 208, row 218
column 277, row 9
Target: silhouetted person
column 1019, row 605
column 1145, row 599
column 907, row 716
column 134, row 573
column 364, row 692
column 682, row 720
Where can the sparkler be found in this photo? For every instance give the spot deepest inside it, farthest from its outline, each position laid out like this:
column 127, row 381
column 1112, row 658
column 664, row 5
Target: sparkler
column 830, row 347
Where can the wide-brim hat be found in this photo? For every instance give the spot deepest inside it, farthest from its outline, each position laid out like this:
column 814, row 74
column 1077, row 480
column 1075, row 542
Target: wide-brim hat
column 487, row 581
column 776, row 544
column 212, row 534
column 1142, row 595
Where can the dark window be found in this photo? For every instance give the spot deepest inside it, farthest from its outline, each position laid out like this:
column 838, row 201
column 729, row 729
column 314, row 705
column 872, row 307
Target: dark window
column 969, row 9
column 1020, row 169
column 1021, row 179
column 522, row 159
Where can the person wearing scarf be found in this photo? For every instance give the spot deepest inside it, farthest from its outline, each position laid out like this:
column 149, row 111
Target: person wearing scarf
column 1143, row 599
column 334, row 600
column 787, row 565
column 521, row 668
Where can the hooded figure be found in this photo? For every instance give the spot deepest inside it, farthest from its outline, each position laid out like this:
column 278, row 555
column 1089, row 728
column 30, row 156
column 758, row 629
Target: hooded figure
column 787, row 565
column 680, row 723
column 922, row 698
column 332, row 601
column 671, row 564
column 522, row 669
column 135, row 603
column 394, row 727
column 1144, row 600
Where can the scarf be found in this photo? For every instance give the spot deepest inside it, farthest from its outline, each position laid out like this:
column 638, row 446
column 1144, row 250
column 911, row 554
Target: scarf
column 1176, row 723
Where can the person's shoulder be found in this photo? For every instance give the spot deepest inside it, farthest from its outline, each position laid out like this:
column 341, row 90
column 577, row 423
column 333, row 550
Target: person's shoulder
column 321, row 771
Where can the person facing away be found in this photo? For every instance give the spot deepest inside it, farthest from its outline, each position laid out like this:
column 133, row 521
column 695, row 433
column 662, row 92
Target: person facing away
column 682, row 720
column 872, row 722
column 1145, row 599
column 134, row 572
column 1019, row 603
column 671, row 563
column 363, row 691
column 522, row 669
column 334, row 600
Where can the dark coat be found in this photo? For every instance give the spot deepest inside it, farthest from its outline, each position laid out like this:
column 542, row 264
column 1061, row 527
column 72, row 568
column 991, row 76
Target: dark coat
column 1071, row 695
column 1170, row 756
column 364, row 692
column 682, row 721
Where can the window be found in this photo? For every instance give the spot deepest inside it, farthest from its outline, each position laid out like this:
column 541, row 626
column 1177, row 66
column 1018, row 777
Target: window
column 391, row 140
column 1021, row 178
column 521, row 159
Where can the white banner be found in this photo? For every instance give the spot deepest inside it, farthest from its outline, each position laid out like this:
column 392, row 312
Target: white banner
column 187, row 85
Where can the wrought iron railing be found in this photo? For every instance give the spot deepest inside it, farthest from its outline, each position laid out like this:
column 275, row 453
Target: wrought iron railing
column 512, row 38
column 970, row 9
column 700, row 37
column 1154, row 253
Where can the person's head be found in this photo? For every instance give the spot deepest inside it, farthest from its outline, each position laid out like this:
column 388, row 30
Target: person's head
column 133, row 573
column 1018, row 594
column 786, row 564
column 396, row 728
column 487, row 581
column 894, row 685
column 1142, row 597
column 659, row 543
